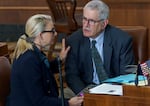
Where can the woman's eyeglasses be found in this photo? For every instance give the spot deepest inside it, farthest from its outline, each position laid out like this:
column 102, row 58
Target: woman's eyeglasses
column 51, row 31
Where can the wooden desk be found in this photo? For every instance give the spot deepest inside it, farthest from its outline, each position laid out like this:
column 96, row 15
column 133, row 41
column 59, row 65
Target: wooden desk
column 133, row 96
column 4, row 49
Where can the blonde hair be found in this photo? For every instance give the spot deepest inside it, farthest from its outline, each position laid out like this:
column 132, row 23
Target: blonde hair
column 34, row 26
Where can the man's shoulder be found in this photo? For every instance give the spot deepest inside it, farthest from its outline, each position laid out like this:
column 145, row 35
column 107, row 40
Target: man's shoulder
column 115, row 32
column 76, row 36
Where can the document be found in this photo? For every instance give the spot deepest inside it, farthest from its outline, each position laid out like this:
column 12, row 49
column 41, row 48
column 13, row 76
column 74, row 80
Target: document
column 106, row 88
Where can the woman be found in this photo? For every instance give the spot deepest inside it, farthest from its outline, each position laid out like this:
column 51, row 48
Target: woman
column 32, row 80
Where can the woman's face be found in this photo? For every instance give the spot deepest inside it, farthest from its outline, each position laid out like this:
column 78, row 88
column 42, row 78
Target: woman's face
column 48, row 35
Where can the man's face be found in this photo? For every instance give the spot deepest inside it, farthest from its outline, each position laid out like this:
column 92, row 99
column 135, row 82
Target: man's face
column 92, row 25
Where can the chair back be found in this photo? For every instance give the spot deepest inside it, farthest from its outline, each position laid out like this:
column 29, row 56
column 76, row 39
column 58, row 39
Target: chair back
column 140, row 41
column 5, row 68
column 63, row 13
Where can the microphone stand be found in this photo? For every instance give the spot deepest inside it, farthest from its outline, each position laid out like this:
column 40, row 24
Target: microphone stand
column 61, row 81
column 136, row 79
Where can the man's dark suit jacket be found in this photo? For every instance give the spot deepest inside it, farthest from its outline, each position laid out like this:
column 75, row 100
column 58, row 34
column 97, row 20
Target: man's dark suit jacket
column 32, row 82
column 117, row 50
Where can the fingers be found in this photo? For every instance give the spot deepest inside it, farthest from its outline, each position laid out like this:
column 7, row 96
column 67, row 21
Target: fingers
column 76, row 101
column 68, row 48
column 80, row 100
column 63, row 44
column 64, row 49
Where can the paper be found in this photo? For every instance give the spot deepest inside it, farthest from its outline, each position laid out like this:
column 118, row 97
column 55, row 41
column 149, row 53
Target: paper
column 107, row 89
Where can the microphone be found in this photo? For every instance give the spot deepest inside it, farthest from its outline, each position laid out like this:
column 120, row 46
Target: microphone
column 61, row 81
column 136, row 79
column 138, row 72
column 133, row 69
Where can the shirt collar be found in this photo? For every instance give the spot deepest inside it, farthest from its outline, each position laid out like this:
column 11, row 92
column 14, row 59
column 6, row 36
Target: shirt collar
column 99, row 38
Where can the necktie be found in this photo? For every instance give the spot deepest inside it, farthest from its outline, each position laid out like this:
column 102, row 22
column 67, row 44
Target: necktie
column 102, row 75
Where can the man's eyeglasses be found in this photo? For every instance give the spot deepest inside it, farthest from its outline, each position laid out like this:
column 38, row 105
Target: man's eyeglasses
column 91, row 21
column 51, row 31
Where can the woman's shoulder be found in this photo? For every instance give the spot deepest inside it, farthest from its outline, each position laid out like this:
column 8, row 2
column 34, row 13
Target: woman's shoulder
column 28, row 57
column 30, row 54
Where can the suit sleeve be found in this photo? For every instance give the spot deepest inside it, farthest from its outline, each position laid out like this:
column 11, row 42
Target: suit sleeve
column 73, row 75
column 126, row 54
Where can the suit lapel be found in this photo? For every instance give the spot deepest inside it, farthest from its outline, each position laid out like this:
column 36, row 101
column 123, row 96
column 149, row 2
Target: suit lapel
column 87, row 55
column 107, row 50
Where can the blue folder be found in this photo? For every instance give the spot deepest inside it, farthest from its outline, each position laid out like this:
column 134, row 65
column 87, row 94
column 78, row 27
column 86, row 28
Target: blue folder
column 124, row 79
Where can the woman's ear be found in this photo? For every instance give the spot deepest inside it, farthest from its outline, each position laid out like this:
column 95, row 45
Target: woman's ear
column 40, row 36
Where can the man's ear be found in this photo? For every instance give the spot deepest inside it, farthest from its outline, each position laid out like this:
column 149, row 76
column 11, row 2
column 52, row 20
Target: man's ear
column 104, row 23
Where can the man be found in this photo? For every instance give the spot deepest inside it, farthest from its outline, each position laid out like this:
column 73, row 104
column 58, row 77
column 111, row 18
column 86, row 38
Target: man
column 114, row 47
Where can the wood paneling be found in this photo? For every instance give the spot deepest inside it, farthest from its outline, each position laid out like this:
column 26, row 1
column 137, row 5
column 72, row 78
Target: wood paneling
column 18, row 11
column 126, row 1
column 18, row 16
column 122, row 12
column 135, row 13
column 23, row 3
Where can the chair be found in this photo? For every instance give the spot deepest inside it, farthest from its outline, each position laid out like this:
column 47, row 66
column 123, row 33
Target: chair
column 4, row 79
column 140, row 41
column 63, row 13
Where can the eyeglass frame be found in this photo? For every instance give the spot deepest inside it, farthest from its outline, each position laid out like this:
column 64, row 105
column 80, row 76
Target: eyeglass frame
column 53, row 30
column 89, row 21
